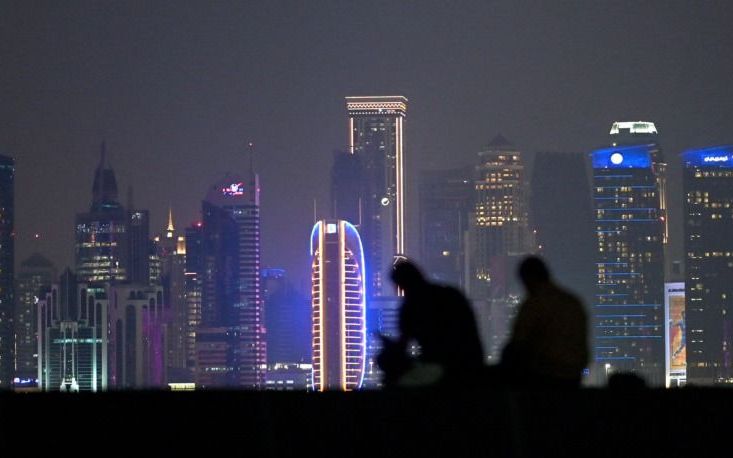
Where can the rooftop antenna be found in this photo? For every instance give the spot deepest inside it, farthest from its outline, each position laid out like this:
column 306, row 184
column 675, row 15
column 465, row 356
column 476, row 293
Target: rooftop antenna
column 251, row 146
column 315, row 218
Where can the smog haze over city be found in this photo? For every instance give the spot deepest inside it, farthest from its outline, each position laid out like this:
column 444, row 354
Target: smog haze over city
column 488, row 227
column 178, row 89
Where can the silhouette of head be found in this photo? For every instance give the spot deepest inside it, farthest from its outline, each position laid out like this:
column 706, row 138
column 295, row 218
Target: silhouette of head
column 534, row 273
column 626, row 381
column 406, row 275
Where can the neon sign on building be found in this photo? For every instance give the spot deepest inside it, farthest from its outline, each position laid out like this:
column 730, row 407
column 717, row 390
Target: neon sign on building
column 233, row 190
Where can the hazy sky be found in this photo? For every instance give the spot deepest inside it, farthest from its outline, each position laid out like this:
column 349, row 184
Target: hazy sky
column 178, row 88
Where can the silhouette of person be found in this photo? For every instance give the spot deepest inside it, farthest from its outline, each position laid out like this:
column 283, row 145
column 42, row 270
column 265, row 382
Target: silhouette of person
column 548, row 346
column 440, row 320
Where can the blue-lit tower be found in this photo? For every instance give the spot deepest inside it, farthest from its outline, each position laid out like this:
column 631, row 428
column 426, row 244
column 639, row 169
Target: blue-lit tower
column 708, row 213
column 339, row 307
column 628, row 311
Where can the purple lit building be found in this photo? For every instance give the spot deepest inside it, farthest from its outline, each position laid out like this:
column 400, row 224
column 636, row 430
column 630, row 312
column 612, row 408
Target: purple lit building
column 137, row 345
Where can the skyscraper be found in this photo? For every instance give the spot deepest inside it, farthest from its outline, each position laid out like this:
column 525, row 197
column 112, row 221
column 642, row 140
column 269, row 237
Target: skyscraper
column 628, row 314
column 288, row 318
column 7, row 260
column 446, row 197
column 499, row 235
column 630, row 133
column 562, row 221
column 171, row 250
column 194, row 272
column 230, row 280
column 35, row 274
column 72, row 337
column 339, row 307
column 113, row 244
column 137, row 340
column 139, row 248
column 708, row 213
column 348, row 192
column 101, row 234
column 376, row 136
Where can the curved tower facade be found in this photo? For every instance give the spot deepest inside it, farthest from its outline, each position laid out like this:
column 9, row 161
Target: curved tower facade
column 339, row 307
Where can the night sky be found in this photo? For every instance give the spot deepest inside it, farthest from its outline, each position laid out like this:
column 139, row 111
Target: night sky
column 177, row 89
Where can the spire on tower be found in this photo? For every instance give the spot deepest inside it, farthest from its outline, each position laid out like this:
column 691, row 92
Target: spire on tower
column 170, row 228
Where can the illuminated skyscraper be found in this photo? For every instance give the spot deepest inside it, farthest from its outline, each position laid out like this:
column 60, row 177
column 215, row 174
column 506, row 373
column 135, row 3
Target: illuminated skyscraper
column 499, row 235
column 113, row 244
column 194, row 271
column 628, row 313
column 101, row 234
column 171, row 249
column 137, row 339
column 7, row 260
column 630, row 133
column 35, row 273
column 230, row 282
column 708, row 214
column 376, row 136
column 339, row 307
column 72, row 337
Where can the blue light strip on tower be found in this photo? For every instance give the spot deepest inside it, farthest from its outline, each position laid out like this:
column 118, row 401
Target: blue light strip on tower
column 714, row 157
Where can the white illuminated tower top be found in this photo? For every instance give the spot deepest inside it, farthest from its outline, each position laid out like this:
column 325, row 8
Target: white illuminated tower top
column 630, row 133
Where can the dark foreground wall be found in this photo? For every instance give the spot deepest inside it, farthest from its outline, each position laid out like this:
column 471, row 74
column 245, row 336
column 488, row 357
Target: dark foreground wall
column 684, row 422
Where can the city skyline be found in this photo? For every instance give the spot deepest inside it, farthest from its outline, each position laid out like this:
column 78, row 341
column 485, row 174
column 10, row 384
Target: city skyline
column 184, row 111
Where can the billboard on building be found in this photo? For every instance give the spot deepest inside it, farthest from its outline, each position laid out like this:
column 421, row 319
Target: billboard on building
column 676, row 347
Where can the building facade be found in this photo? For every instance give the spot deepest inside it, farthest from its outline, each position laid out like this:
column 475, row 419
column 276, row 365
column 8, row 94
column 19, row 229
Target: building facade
column 194, row 272
column 339, row 306
column 171, row 249
column 562, row 221
column 630, row 133
column 35, row 275
column 446, row 198
column 7, row 265
column 230, row 278
column 288, row 319
column 628, row 313
column 138, row 318
column 498, row 237
column 72, row 337
column 101, row 252
column 708, row 213
column 376, row 132
column 113, row 243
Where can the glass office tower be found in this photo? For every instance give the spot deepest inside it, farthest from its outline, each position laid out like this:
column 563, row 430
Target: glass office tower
column 708, row 213
column 628, row 313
